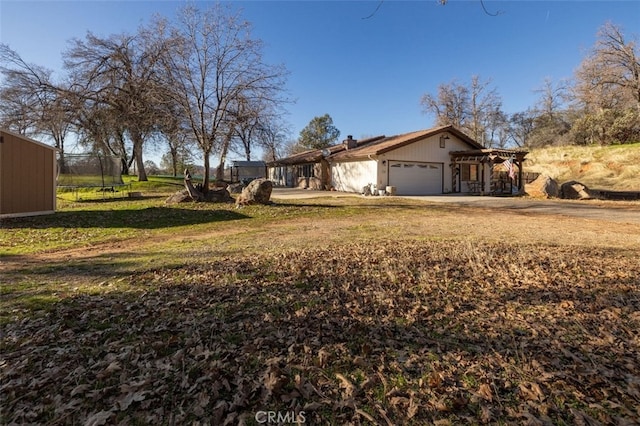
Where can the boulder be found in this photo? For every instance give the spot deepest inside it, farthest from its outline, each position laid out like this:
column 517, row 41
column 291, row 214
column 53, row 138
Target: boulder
column 214, row 195
column 303, row 183
column 182, row 196
column 218, row 195
column 315, row 184
column 257, row 192
column 235, row 188
column 574, row 190
column 544, row 187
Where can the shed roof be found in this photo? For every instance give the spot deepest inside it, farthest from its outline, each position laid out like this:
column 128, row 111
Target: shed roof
column 248, row 163
column 28, row 139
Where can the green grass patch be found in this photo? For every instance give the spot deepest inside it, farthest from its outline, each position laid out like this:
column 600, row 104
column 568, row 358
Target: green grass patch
column 360, row 310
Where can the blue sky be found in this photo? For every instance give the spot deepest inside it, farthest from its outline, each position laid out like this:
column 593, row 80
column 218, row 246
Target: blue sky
column 368, row 74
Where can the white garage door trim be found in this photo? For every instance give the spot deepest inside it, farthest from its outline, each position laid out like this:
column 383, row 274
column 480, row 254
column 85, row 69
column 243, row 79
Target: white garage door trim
column 416, row 178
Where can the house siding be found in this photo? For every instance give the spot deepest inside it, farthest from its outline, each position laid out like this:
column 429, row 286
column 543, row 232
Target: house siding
column 426, row 150
column 352, row 176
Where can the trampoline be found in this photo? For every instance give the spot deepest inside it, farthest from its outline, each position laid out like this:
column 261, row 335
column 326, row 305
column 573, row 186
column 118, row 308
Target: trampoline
column 82, row 172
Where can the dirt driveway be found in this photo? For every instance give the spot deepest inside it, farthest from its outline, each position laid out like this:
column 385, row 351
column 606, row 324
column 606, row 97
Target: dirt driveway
column 610, row 211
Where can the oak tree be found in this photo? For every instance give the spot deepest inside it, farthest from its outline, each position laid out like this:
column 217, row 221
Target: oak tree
column 211, row 62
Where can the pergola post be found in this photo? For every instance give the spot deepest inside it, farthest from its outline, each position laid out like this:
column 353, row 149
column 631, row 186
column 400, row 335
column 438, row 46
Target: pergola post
column 488, row 158
column 454, row 173
column 520, row 160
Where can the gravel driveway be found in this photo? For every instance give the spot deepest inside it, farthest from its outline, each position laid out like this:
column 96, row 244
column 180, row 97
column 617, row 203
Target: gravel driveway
column 611, row 211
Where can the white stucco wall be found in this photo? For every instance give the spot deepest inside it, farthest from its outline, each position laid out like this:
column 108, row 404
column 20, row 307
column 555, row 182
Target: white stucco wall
column 354, row 175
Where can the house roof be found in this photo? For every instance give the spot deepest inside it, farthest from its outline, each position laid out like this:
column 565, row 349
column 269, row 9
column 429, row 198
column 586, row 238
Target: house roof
column 372, row 146
column 315, row 155
column 387, row 144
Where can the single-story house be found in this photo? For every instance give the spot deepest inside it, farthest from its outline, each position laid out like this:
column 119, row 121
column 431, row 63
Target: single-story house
column 310, row 169
column 27, row 176
column 426, row 162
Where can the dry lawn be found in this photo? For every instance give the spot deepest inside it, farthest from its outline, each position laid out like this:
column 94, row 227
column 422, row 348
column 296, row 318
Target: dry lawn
column 614, row 168
column 359, row 312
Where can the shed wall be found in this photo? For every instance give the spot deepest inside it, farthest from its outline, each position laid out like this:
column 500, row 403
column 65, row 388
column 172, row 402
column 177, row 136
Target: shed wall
column 27, row 177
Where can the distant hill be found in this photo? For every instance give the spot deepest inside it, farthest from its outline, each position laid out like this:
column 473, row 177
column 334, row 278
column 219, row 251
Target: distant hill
column 614, row 167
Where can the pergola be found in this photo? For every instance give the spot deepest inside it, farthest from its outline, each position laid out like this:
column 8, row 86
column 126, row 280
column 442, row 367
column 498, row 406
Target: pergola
column 488, row 180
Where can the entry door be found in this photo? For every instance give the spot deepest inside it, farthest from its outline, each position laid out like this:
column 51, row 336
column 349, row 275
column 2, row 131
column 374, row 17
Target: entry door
column 413, row 178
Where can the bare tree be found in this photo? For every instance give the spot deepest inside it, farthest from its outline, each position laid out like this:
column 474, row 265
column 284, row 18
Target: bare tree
column 607, row 89
column 484, row 110
column 120, row 72
column 32, row 103
column 551, row 98
column 177, row 137
column 609, row 76
column 273, row 136
column 251, row 118
column 498, row 129
column 442, row 3
column 521, row 125
column 211, row 63
column 449, row 105
column 475, row 108
column 548, row 122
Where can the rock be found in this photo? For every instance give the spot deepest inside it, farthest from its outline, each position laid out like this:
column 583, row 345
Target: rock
column 215, row 195
column 257, row 192
column 315, row 184
column 544, row 186
column 303, row 183
column 218, row 195
column 235, row 188
column 179, row 197
column 574, row 190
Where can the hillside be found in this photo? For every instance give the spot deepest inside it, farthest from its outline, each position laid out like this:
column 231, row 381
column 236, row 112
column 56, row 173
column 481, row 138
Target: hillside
column 614, row 168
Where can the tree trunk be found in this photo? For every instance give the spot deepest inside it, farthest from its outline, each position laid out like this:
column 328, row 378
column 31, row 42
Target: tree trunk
column 223, row 154
column 205, row 179
column 220, row 169
column 62, row 164
column 137, row 149
column 174, row 161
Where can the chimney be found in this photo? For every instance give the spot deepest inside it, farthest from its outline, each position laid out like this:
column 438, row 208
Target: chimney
column 350, row 142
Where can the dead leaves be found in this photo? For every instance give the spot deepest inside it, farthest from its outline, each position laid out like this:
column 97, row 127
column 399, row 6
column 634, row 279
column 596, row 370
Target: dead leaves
column 429, row 332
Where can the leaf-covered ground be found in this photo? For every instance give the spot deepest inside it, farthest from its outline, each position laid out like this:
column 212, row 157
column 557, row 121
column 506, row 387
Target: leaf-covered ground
column 392, row 332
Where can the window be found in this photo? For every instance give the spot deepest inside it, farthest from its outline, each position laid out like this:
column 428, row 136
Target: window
column 306, row 170
column 443, row 140
column 469, row 172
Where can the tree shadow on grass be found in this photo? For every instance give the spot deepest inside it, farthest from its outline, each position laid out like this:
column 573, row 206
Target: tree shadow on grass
column 147, row 218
